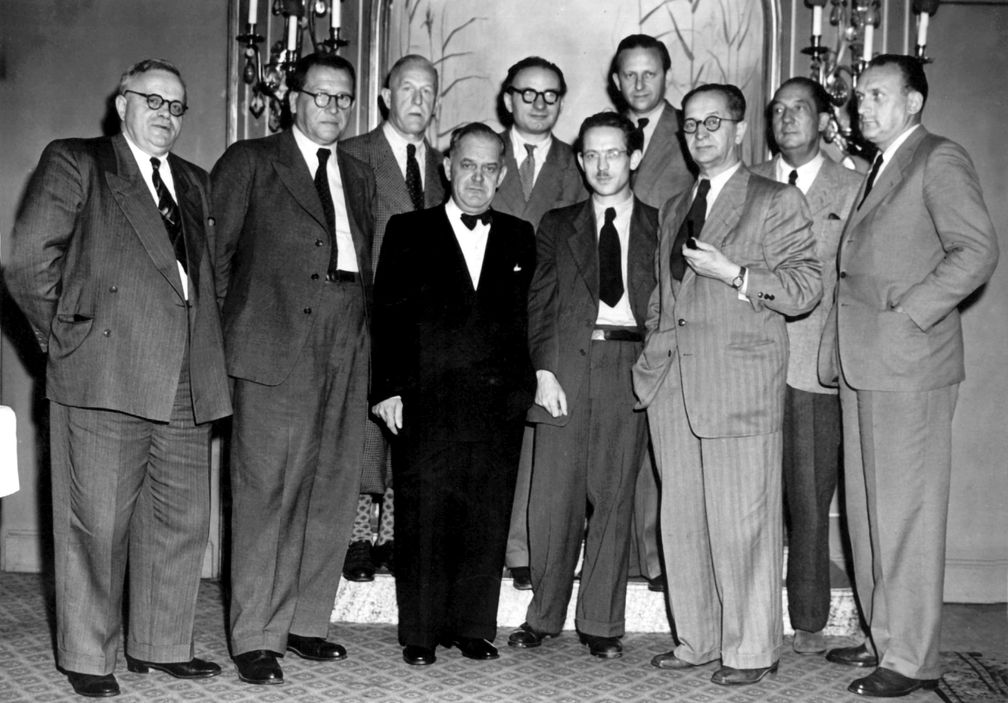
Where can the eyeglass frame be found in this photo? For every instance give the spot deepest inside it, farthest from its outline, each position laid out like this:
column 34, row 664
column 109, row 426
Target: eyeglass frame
column 150, row 98
column 329, row 97
column 536, row 94
column 717, row 119
column 591, row 157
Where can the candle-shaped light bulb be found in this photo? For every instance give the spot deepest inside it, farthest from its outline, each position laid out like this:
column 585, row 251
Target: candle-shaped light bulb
column 292, row 32
column 817, row 21
column 253, row 13
column 335, row 16
column 922, row 27
column 869, row 38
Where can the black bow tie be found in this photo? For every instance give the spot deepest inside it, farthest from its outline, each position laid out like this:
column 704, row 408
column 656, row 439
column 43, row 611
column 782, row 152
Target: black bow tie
column 470, row 220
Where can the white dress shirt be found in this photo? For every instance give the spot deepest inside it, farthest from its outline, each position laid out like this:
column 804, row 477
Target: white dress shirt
column 807, row 172
column 649, row 129
column 399, row 143
column 472, row 242
column 346, row 256
column 621, row 314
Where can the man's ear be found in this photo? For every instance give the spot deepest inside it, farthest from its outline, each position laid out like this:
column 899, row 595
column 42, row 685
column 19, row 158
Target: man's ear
column 824, row 120
column 120, row 103
column 915, row 102
column 740, row 130
column 447, row 168
column 386, row 96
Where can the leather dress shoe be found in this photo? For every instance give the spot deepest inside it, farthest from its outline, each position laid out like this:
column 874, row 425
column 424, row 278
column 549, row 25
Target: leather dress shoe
column 669, row 660
column 384, row 555
column 415, row 655
column 93, row 685
column 521, row 578
column 315, row 648
column 527, row 637
column 259, row 667
column 853, row 656
column 656, row 584
column 730, row 676
column 603, row 647
column 886, row 683
column 473, row 647
column 358, row 566
column 195, row 668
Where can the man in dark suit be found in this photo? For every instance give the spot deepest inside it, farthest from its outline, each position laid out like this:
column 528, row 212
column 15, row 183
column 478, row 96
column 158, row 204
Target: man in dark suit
column 121, row 297
column 736, row 256
column 639, row 70
column 547, row 178
column 587, row 306
column 452, row 379
column 798, row 114
column 919, row 241
column 395, row 151
column 293, row 260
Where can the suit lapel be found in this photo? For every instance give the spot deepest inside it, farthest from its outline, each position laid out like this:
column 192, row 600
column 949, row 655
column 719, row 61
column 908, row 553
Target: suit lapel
column 887, row 180
column 583, row 244
column 131, row 192
column 387, row 172
column 433, row 190
column 191, row 206
column 640, row 261
column 293, row 172
column 723, row 214
column 544, row 192
column 453, row 253
column 354, row 198
column 510, row 192
column 659, row 148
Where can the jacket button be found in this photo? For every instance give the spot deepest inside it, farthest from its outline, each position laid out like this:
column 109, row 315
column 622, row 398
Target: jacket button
column 843, row 274
column 113, row 289
column 670, row 353
column 107, row 333
column 681, row 322
column 582, row 352
column 211, row 221
column 318, row 242
column 307, row 311
column 314, row 276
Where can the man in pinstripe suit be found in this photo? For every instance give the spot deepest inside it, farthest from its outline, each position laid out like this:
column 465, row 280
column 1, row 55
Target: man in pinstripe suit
column 736, row 256
column 408, row 176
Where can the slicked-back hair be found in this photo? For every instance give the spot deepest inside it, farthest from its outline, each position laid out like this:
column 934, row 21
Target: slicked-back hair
column 534, row 62
column 407, row 60
column 733, row 97
column 296, row 79
column 149, row 65
column 633, row 137
column 911, row 68
column 820, row 98
column 642, row 41
column 475, row 129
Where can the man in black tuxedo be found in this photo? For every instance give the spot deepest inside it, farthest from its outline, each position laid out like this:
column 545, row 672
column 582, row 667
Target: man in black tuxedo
column 452, row 381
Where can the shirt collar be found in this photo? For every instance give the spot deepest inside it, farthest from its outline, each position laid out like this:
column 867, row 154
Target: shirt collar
column 518, row 146
column 621, row 208
column 454, row 213
column 398, row 142
column 891, row 150
column 807, row 172
column 309, row 151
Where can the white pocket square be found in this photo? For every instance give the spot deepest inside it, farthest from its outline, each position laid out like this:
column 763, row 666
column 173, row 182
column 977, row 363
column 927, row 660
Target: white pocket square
column 517, row 268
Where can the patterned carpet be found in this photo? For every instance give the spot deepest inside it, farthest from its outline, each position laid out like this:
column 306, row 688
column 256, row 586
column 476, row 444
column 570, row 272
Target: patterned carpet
column 560, row 671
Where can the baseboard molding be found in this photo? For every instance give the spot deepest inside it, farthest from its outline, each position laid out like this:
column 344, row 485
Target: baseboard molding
column 976, row 580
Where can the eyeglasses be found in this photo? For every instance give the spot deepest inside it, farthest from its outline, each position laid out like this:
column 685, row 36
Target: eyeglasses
column 529, row 95
column 711, row 124
column 591, row 157
column 322, row 100
column 176, row 108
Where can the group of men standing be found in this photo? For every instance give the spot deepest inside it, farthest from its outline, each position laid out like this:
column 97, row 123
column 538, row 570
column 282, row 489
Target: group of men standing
column 646, row 268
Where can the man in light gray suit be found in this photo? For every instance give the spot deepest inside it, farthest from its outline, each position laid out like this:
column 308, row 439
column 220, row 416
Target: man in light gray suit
column 919, row 241
column 111, row 266
column 736, row 256
column 799, row 112
column 408, row 176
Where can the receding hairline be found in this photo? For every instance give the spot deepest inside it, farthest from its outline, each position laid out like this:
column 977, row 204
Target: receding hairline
column 411, row 61
column 145, row 66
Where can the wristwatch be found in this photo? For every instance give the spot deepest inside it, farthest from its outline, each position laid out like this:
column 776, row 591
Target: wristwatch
column 737, row 282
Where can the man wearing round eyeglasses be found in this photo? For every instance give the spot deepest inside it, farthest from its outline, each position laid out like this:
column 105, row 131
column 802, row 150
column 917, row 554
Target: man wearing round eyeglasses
column 587, row 307
column 542, row 174
column 295, row 221
column 111, row 266
column 736, row 256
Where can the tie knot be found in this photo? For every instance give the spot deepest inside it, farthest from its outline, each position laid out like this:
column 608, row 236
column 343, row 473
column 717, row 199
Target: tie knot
column 643, row 122
column 155, row 162
column 792, row 177
column 470, row 220
column 529, row 148
column 323, row 156
column 703, row 187
column 410, row 151
column 610, row 215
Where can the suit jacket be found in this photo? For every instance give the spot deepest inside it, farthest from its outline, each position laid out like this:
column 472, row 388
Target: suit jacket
column 559, row 183
column 664, row 171
column 95, row 273
column 392, row 196
column 564, row 294
column 457, row 356
column 728, row 356
column 830, row 198
column 273, row 250
column 922, row 240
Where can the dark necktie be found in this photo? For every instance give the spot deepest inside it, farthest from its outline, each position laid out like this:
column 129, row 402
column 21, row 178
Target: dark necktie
column 170, row 214
column 526, row 172
column 871, row 178
column 641, row 124
column 413, row 183
column 470, row 220
column 691, row 227
column 792, row 178
column 610, row 269
column 325, row 195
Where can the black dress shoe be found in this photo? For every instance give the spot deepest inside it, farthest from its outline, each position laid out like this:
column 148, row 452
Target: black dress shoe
column 527, row 637
column 669, row 660
column 258, row 666
column 315, row 648
column 383, row 555
column 415, row 655
column 93, row 685
column 521, row 578
column 603, row 647
column 358, row 565
column 195, row 668
column 656, row 584
column 473, row 648
column 852, row 656
column 886, row 683
column 730, row 676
